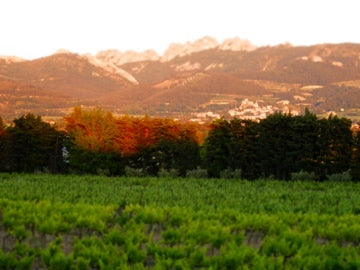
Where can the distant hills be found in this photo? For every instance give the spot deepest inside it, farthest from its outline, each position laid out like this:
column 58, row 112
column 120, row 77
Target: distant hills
column 188, row 80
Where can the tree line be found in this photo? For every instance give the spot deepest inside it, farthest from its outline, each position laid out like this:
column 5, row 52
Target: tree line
column 96, row 142
column 281, row 145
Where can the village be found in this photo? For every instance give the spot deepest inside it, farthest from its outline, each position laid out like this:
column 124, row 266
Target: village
column 247, row 110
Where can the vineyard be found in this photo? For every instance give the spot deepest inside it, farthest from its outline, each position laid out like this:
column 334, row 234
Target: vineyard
column 94, row 222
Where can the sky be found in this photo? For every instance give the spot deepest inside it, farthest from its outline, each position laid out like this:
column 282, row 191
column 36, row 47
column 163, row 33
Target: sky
column 35, row 28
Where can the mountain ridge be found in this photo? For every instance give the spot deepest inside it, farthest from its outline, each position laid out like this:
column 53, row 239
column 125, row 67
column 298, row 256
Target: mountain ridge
column 174, row 50
column 194, row 78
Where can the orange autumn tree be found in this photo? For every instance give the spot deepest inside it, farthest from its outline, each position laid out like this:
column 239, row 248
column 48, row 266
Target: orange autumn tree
column 92, row 147
column 127, row 135
column 138, row 133
column 97, row 130
column 163, row 143
column 152, row 130
column 97, row 135
column 93, row 130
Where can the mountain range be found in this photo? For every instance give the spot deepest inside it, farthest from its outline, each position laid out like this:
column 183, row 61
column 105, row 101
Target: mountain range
column 194, row 80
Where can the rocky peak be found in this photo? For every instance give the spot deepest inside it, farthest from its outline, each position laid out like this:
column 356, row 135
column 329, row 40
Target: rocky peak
column 63, row 51
column 236, row 44
column 11, row 59
column 118, row 58
column 206, row 43
column 178, row 49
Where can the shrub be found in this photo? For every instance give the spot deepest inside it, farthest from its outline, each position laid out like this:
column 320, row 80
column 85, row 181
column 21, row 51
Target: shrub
column 172, row 173
column 134, row 172
column 302, row 176
column 103, row 172
column 340, row 177
column 197, row 173
column 231, row 174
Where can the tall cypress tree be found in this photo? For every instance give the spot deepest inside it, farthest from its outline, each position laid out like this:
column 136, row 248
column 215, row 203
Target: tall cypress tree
column 275, row 146
column 3, row 156
column 217, row 148
column 334, row 146
column 243, row 147
column 355, row 162
column 304, row 136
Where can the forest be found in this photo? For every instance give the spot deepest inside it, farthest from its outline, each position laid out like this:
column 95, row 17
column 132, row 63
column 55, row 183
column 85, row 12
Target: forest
column 282, row 146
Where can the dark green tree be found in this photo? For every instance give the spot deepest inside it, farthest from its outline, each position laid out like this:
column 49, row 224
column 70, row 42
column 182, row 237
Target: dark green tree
column 304, row 136
column 334, row 146
column 148, row 159
column 355, row 162
column 85, row 161
column 243, row 147
column 277, row 143
column 31, row 144
column 180, row 154
column 3, row 156
column 217, row 148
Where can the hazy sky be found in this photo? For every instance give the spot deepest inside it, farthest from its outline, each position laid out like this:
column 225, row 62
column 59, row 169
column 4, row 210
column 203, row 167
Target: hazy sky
column 35, row 28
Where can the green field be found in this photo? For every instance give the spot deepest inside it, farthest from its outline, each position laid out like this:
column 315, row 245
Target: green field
column 94, row 222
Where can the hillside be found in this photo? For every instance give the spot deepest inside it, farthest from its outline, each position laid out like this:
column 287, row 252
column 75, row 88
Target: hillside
column 66, row 73
column 18, row 98
column 191, row 78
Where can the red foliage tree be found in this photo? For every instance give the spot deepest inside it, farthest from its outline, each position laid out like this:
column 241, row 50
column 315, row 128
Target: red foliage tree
column 96, row 130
